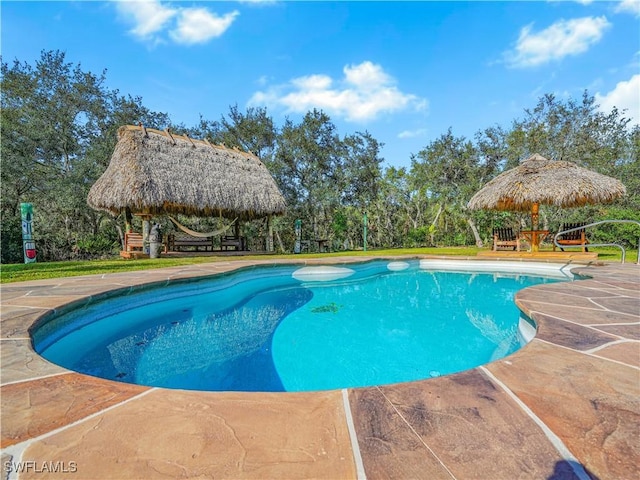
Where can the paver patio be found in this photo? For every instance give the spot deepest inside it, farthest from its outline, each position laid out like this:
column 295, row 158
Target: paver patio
column 565, row 406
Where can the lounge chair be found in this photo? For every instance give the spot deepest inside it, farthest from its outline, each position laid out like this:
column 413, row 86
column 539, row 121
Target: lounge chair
column 575, row 238
column 505, row 237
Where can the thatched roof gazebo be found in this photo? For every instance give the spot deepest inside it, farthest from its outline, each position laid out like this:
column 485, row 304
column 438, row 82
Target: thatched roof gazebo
column 157, row 173
column 539, row 181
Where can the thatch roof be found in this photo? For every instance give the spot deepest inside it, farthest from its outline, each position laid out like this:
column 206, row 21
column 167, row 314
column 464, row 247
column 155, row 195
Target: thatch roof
column 546, row 182
column 159, row 172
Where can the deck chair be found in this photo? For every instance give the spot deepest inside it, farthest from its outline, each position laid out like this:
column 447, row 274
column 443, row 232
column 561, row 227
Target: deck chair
column 505, row 237
column 575, row 238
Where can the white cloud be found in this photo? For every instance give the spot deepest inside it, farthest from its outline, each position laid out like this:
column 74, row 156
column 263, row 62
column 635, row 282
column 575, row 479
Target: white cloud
column 148, row 16
column 312, row 82
column 629, row 6
column 412, row 133
column 198, row 25
column 563, row 38
column 625, row 96
column 258, row 2
column 365, row 92
column 152, row 20
column 582, row 2
column 263, row 80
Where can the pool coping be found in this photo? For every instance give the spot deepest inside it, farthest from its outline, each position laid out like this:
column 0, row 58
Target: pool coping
column 564, row 406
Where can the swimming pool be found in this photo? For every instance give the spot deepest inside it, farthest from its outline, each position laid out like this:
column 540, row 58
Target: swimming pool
column 292, row 328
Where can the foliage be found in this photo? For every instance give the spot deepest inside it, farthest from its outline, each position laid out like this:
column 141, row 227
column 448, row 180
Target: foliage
column 418, row 237
column 59, row 125
column 58, row 131
column 11, row 238
column 90, row 245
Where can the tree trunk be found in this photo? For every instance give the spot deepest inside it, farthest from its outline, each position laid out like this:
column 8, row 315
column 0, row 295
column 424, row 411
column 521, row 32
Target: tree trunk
column 280, row 244
column 476, row 235
column 433, row 224
column 120, row 235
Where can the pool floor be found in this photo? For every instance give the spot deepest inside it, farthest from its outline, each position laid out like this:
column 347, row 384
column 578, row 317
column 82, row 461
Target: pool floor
column 565, row 406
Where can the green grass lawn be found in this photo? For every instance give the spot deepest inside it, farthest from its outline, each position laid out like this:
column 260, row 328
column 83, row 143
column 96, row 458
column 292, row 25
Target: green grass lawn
column 44, row 270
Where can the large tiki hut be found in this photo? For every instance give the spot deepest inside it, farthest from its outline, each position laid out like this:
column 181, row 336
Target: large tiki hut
column 156, row 173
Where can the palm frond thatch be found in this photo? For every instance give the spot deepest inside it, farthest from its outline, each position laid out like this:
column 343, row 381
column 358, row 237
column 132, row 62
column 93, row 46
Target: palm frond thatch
column 538, row 180
column 158, row 172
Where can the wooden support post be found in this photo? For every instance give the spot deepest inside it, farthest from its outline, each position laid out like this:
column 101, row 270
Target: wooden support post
column 535, row 208
column 146, row 229
column 128, row 218
column 535, row 239
column 269, row 242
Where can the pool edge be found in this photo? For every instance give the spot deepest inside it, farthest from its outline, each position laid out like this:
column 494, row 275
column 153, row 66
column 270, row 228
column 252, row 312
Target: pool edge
column 604, row 280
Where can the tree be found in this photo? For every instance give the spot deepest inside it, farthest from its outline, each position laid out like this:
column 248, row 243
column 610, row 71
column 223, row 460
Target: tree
column 359, row 184
column 448, row 172
column 398, row 208
column 577, row 131
column 571, row 130
column 58, row 131
column 307, row 167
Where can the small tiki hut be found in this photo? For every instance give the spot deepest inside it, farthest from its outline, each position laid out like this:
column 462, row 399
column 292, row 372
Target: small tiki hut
column 159, row 173
column 540, row 181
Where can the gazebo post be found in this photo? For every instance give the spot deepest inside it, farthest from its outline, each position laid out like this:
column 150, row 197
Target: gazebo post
column 534, row 216
column 535, row 239
column 146, row 228
column 269, row 242
column 127, row 219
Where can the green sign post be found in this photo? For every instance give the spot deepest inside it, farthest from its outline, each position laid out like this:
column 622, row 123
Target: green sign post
column 28, row 244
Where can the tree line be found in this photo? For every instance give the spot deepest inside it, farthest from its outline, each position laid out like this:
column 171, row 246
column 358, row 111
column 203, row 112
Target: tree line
column 58, row 131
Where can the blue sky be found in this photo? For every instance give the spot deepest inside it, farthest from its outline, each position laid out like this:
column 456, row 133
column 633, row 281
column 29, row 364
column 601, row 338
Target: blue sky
column 404, row 71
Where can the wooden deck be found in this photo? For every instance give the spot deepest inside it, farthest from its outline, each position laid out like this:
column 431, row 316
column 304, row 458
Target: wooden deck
column 544, row 255
column 135, row 254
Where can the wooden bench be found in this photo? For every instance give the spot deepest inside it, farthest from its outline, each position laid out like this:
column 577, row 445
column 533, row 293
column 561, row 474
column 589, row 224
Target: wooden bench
column 133, row 241
column 177, row 243
column 133, row 246
column 575, row 238
column 227, row 241
column 505, row 237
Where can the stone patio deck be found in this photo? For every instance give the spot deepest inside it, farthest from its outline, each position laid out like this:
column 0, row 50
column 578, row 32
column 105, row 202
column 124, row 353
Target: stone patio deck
column 565, row 406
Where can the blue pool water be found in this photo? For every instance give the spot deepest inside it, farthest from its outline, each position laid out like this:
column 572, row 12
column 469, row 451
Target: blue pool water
column 288, row 328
